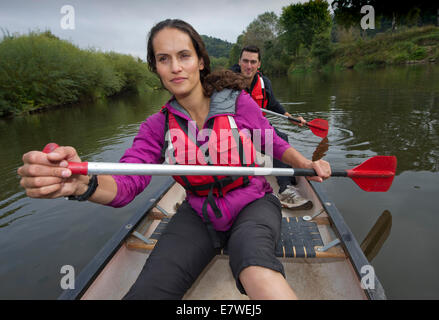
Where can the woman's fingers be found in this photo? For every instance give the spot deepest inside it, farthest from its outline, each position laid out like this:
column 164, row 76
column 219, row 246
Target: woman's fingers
column 36, row 157
column 43, row 192
column 63, row 153
column 37, row 163
column 36, row 170
column 48, row 187
column 322, row 169
column 302, row 121
column 39, row 182
column 54, row 157
column 45, row 175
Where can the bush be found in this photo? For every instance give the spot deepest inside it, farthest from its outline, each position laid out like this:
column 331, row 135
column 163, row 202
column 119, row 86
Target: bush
column 218, row 63
column 321, row 49
column 39, row 70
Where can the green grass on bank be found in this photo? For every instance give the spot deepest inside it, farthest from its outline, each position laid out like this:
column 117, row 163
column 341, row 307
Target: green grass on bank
column 414, row 45
column 39, row 70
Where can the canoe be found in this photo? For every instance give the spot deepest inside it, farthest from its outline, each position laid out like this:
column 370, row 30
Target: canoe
column 321, row 257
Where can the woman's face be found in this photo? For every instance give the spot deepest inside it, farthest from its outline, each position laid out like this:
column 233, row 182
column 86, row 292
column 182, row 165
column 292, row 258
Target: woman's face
column 177, row 62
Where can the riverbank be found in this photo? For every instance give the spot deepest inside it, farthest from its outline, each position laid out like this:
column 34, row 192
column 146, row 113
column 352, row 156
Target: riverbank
column 406, row 46
column 40, row 71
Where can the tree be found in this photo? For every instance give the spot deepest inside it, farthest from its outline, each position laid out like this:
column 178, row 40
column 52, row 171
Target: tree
column 236, row 50
column 275, row 60
column 264, row 32
column 216, row 47
column 321, row 48
column 301, row 22
column 348, row 12
column 264, row 28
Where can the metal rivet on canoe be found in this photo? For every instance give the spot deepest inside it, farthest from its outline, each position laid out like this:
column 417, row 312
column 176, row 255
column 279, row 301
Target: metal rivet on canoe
column 128, row 226
column 152, row 200
column 328, row 203
column 309, row 218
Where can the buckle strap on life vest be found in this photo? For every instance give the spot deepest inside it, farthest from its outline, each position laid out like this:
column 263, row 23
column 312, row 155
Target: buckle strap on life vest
column 212, row 232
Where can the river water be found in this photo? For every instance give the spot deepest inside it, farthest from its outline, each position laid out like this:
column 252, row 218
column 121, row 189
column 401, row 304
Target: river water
column 392, row 111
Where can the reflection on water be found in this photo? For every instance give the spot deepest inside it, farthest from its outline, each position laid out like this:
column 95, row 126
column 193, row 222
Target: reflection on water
column 321, row 149
column 378, row 234
column 391, row 111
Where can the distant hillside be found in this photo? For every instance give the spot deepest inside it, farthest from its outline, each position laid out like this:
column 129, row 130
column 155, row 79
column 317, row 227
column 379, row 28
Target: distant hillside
column 216, row 47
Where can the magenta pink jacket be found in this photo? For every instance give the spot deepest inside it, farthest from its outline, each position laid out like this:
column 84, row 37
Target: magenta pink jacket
column 147, row 148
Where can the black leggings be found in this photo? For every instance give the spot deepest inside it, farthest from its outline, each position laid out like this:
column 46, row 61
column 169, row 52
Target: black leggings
column 185, row 249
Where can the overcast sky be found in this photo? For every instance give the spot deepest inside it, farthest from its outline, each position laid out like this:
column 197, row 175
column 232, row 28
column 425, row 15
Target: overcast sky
column 122, row 26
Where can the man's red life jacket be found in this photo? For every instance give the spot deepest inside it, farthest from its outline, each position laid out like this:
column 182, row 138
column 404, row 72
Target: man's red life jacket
column 227, row 146
column 258, row 93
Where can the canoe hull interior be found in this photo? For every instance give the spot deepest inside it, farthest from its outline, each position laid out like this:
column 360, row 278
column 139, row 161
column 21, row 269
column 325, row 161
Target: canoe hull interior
column 331, row 277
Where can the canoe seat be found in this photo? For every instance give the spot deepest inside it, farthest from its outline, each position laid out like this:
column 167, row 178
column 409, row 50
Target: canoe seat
column 299, row 239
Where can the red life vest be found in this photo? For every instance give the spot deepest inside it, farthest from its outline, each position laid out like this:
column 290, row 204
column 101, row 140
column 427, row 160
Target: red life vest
column 258, row 93
column 227, row 146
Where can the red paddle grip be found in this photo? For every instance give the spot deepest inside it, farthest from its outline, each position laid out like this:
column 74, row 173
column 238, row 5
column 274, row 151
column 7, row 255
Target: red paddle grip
column 78, row 168
column 50, row 147
column 75, row 167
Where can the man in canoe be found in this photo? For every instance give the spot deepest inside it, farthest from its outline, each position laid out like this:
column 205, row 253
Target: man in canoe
column 238, row 212
column 259, row 87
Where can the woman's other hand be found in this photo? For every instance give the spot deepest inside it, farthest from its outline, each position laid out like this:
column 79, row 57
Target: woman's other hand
column 322, row 168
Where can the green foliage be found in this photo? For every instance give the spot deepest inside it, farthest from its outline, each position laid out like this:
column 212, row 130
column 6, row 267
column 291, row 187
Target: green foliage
column 262, row 29
column 388, row 48
column 236, row 50
column 303, row 21
column 39, row 70
column 216, row 47
column 219, row 63
column 321, row 49
column 409, row 13
column 306, row 37
column 275, row 59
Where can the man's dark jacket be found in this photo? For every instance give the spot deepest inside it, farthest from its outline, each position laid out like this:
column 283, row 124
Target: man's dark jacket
column 272, row 104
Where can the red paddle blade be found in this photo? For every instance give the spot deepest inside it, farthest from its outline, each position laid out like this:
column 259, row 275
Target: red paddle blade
column 319, row 127
column 375, row 174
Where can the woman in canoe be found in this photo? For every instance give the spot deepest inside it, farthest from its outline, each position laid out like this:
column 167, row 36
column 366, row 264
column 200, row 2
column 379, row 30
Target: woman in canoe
column 240, row 214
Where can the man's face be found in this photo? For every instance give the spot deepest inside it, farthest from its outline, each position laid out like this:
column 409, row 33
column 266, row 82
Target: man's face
column 249, row 64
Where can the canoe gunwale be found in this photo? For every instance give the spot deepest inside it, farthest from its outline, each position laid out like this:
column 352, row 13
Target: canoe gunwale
column 348, row 241
column 92, row 270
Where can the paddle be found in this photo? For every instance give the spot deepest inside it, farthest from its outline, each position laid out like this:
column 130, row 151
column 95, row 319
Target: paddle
column 317, row 126
column 374, row 175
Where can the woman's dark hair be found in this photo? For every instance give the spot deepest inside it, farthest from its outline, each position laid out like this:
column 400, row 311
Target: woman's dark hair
column 210, row 81
column 221, row 79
